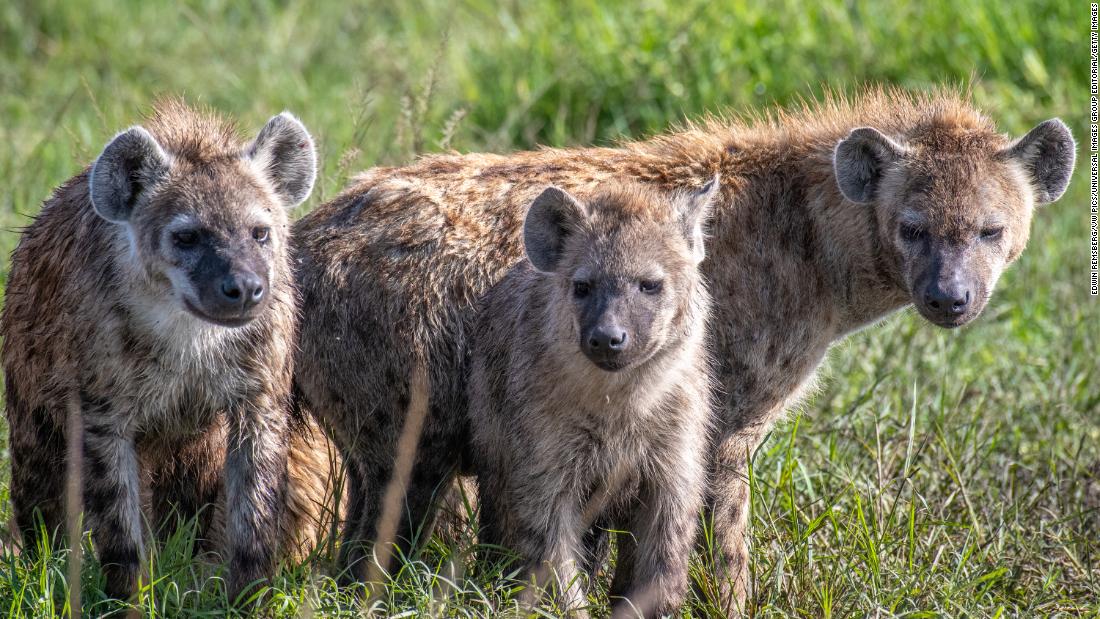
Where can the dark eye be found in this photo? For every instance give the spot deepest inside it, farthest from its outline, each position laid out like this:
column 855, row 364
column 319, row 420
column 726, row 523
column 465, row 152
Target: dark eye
column 185, row 239
column 649, row 286
column 910, row 233
column 260, row 233
column 992, row 234
column 581, row 289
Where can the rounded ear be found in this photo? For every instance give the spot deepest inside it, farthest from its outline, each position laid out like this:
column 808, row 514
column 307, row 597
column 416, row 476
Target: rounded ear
column 1048, row 154
column 693, row 210
column 127, row 167
column 283, row 153
column 552, row 217
column 860, row 160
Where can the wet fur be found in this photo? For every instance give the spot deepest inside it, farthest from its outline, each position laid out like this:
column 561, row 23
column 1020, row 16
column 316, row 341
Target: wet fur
column 177, row 413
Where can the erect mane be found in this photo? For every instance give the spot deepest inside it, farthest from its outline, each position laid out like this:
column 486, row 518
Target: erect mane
column 811, row 121
column 195, row 134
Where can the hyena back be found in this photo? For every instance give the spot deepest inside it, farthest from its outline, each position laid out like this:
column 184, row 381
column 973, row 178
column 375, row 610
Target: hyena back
column 153, row 293
column 589, row 391
column 830, row 218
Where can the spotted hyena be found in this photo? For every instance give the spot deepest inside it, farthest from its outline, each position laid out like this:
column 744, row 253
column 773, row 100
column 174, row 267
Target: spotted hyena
column 589, row 390
column 153, row 297
column 830, row 217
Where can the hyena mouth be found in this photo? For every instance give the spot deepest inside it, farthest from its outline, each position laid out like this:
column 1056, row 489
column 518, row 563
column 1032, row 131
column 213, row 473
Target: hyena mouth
column 620, row 362
column 947, row 321
column 950, row 323
column 221, row 321
column 612, row 365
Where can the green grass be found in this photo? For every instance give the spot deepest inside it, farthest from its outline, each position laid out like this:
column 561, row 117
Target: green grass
column 934, row 474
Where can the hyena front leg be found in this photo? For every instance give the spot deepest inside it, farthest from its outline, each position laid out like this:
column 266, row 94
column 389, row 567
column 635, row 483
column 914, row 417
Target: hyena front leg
column 187, row 485
column 664, row 529
column 551, row 550
column 727, row 511
column 353, row 556
column 112, row 496
column 626, row 547
column 430, row 479
column 37, row 454
column 256, row 480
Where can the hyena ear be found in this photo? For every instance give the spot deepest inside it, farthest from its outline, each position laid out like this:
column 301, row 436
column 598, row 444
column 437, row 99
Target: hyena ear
column 694, row 209
column 860, row 160
column 553, row 216
column 1048, row 153
column 131, row 163
column 283, row 153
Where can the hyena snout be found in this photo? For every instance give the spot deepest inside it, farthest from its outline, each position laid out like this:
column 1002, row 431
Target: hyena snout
column 242, row 291
column 230, row 294
column 607, row 344
column 608, row 339
column 947, row 298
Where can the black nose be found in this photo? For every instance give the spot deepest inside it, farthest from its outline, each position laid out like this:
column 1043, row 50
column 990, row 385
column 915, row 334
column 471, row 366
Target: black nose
column 242, row 289
column 949, row 300
column 609, row 339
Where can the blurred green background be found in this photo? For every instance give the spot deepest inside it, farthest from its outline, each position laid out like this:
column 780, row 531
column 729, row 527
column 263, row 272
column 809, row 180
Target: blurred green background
column 935, row 474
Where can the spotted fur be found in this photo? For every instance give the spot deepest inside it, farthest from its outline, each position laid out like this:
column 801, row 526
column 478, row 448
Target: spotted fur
column 177, row 412
column 392, row 269
column 562, row 441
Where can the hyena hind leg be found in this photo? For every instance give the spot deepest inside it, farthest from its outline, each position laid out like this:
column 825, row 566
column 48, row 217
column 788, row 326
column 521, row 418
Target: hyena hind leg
column 405, row 519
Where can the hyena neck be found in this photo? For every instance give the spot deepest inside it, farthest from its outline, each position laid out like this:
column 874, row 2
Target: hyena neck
column 864, row 280
column 794, row 207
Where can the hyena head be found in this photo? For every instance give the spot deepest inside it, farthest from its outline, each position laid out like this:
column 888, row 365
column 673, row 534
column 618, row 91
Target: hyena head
column 953, row 204
column 622, row 267
column 205, row 215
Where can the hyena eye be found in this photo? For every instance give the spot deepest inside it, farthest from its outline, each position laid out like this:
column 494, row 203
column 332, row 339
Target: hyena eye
column 992, row 234
column 910, row 233
column 649, row 286
column 581, row 289
column 260, row 233
column 185, row 239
